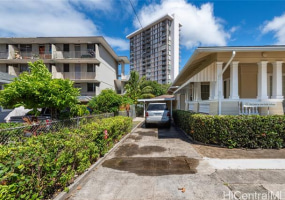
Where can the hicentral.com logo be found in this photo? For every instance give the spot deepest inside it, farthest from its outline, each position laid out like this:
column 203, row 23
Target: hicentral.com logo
column 238, row 195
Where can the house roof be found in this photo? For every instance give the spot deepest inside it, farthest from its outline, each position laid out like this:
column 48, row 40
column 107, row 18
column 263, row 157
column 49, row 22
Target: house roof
column 66, row 40
column 6, row 78
column 203, row 55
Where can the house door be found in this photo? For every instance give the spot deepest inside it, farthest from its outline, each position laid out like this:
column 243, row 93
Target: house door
column 77, row 71
column 77, row 51
column 42, row 51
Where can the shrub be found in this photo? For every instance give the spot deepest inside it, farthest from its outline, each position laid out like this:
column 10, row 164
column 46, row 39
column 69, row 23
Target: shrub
column 106, row 101
column 251, row 131
column 50, row 162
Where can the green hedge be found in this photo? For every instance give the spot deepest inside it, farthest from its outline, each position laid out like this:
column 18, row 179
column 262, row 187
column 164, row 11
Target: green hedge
column 252, row 131
column 48, row 163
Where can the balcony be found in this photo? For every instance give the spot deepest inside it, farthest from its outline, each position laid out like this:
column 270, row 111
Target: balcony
column 75, row 75
column 74, row 54
column 3, row 55
column 31, row 55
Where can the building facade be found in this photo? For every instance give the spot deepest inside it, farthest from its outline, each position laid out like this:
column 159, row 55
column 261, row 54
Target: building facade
column 233, row 81
column 88, row 61
column 154, row 50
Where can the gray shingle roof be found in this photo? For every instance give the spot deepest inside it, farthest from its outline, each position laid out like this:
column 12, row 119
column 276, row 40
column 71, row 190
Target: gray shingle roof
column 6, row 78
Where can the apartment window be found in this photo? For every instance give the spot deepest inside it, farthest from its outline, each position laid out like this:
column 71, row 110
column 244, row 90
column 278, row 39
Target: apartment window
column 205, row 92
column 7, row 47
column 24, row 68
column 66, row 68
column 6, row 68
column 25, row 47
column 49, row 67
column 66, row 47
column 91, row 87
column 91, row 68
column 91, row 47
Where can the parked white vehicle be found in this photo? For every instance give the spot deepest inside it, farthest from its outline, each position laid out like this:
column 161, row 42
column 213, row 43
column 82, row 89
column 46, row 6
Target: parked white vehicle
column 157, row 113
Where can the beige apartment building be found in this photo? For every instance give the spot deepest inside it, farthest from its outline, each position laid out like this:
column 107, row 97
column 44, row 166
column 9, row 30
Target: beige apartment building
column 88, row 61
column 233, row 81
column 154, row 50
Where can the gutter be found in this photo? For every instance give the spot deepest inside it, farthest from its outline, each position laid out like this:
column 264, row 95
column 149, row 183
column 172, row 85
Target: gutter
column 220, row 78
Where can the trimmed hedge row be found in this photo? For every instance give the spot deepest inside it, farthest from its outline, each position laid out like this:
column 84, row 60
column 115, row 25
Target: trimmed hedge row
column 252, row 131
column 48, row 163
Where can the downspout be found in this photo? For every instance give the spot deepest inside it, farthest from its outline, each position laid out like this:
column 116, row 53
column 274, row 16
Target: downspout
column 220, row 76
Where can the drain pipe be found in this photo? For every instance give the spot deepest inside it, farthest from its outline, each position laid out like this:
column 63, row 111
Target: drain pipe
column 220, row 76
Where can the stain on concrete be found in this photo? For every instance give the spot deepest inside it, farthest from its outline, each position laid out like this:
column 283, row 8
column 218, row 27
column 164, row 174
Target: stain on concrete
column 134, row 149
column 135, row 137
column 147, row 133
column 153, row 166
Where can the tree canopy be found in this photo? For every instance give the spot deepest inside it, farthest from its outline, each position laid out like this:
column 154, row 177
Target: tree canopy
column 107, row 101
column 36, row 89
column 137, row 88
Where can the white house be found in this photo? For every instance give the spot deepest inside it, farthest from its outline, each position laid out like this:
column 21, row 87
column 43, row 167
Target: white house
column 232, row 81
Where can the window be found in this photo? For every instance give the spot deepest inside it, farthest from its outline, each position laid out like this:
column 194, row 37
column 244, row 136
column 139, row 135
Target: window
column 65, row 67
column 205, row 92
column 25, row 47
column 66, row 47
column 49, row 67
column 91, row 87
column 24, row 68
column 91, row 68
column 91, row 47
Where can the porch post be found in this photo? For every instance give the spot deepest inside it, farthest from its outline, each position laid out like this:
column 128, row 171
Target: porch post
column 262, row 80
column 197, row 91
column 234, row 80
column 219, row 82
column 212, row 90
column 277, row 80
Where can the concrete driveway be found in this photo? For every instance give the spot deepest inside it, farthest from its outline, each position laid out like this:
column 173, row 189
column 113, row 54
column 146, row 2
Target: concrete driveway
column 159, row 163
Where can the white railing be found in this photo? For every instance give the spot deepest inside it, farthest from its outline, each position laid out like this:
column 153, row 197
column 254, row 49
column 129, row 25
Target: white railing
column 250, row 107
column 76, row 75
column 74, row 54
column 204, row 107
column 31, row 55
column 191, row 105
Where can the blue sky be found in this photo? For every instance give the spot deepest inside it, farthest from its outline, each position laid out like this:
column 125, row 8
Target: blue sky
column 205, row 23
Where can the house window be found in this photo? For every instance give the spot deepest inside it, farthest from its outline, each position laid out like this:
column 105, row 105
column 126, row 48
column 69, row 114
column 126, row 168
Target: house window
column 24, row 68
column 91, row 68
column 205, row 92
column 66, row 68
column 66, row 47
column 91, row 87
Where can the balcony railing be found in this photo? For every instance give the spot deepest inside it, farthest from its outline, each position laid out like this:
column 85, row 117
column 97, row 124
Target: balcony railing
column 3, row 55
column 74, row 54
column 76, row 75
column 31, row 55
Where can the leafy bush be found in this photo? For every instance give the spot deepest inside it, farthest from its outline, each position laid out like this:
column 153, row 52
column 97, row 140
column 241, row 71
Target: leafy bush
column 251, row 131
column 50, row 162
column 106, row 101
column 9, row 125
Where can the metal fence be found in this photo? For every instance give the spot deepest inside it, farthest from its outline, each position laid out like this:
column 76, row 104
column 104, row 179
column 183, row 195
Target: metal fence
column 131, row 113
column 20, row 133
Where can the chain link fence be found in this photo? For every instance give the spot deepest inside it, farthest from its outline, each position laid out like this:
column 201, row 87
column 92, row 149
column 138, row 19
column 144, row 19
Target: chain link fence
column 21, row 132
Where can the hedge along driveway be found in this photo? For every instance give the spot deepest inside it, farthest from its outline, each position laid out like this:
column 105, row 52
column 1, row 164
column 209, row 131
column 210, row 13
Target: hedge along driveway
column 251, row 131
column 50, row 162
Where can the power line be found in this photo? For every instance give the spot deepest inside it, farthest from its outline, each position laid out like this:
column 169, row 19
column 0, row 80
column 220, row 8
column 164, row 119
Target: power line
column 135, row 12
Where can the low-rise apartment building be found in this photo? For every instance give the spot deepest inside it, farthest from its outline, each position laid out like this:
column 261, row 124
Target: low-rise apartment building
column 88, row 61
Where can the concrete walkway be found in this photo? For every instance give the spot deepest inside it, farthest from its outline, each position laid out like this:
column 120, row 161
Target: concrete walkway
column 158, row 163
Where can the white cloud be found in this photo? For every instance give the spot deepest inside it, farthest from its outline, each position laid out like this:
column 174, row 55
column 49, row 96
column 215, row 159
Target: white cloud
column 199, row 25
column 103, row 5
column 120, row 44
column 43, row 18
column 277, row 26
